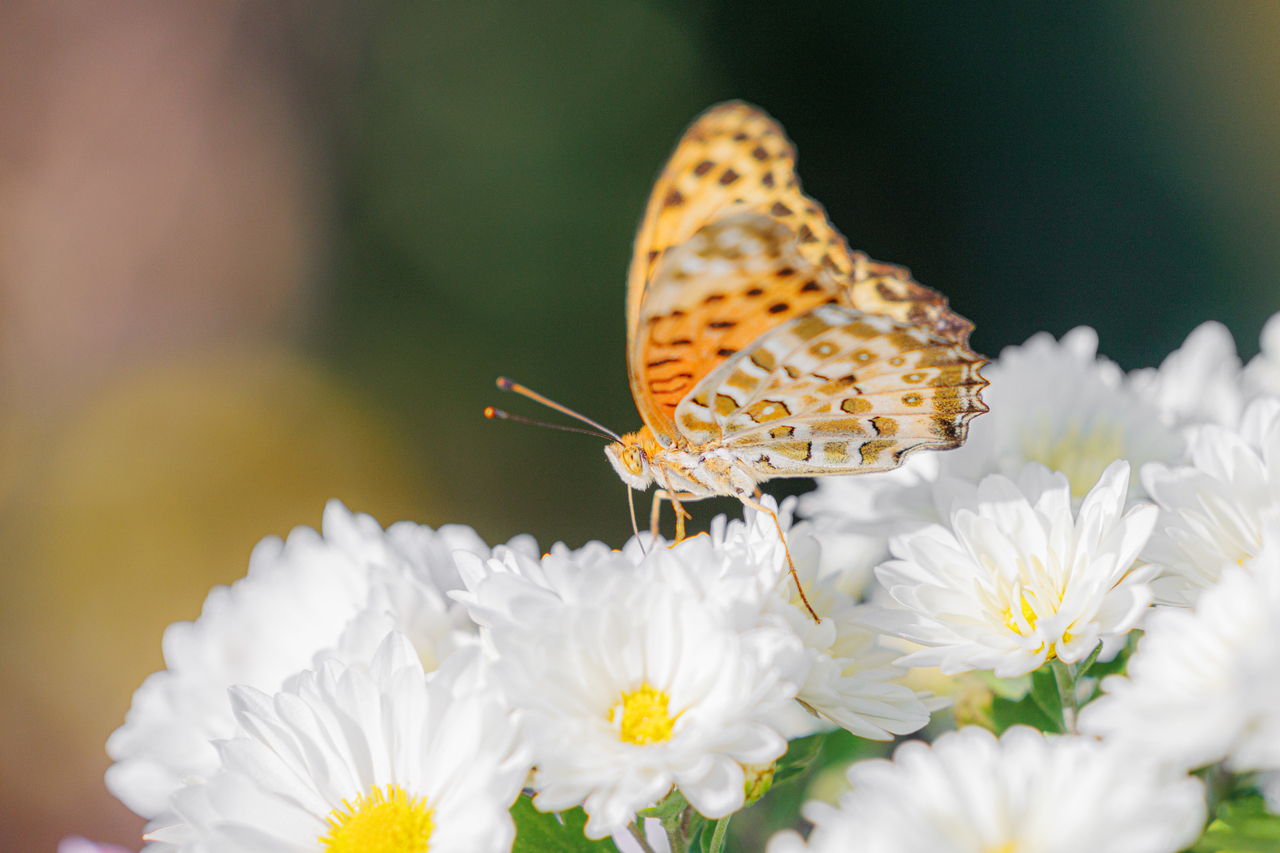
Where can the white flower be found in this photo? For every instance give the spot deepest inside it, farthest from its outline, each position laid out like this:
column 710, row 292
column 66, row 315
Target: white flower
column 1262, row 374
column 1053, row 402
column 1213, row 511
column 1198, row 383
column 1204, row 685
column 742, row 566
column 1026, row 792
column 303, row 601
column 851, row 677
column 853, row 517
column 1016, row 580
column 347, row 758
column 631, row 680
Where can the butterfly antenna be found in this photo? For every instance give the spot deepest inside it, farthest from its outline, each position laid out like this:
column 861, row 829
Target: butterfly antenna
column 506, row 384
column 497, row 414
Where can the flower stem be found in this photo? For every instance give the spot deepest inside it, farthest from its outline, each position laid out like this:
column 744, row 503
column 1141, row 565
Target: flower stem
column 677, row 827
column 638, row 834
column 1065, row 676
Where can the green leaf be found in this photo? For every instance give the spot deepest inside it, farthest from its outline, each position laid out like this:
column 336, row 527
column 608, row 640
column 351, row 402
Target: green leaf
column 800, row 755
column 1041, row 708
column 1044, row 693
column 1117, row 664
column 1084, row 666
column 695, row 830
column 669, row 807
column 1242, row 826
column 553, row 832
column 1005, row 713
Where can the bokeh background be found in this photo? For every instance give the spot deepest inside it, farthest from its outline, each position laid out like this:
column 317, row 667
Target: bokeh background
column 258, row 254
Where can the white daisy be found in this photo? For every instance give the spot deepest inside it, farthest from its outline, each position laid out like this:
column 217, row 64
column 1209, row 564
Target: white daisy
column 1262, row 374
column 741, row 569
column 1016, row 579
column 1204, row 685
column 349, row 761
column 851, row 679
column 1025, row 793
column 303, row 600
column 1198, row 383
column 1213, row 511
column 631, row 681
column 1057, row 403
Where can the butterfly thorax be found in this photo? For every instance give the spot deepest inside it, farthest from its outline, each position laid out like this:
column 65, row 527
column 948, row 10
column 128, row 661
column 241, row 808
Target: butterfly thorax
column 640, row 460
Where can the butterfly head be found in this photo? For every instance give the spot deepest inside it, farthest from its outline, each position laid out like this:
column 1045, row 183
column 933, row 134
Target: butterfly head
column 630, row 458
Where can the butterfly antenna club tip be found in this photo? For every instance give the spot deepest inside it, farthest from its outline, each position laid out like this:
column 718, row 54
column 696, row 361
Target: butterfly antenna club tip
column 506, row 384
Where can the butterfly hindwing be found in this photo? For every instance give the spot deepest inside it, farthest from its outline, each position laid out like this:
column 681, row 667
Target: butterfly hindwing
column 835, row 391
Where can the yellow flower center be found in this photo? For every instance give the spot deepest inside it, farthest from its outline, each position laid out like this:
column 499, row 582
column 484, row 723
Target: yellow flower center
column 1082, row 453
column 644, row 717
column 1007, row 847
column 387, row 821
column 1027, row 614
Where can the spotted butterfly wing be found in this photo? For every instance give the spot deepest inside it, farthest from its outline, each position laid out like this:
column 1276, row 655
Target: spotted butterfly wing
column 799, row 384
column 837, row 391
column 735, row 161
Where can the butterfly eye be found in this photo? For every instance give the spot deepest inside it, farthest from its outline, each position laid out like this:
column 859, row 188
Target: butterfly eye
column 633, row 459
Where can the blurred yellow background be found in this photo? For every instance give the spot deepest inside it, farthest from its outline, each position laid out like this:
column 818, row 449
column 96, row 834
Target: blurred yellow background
column 254, row 255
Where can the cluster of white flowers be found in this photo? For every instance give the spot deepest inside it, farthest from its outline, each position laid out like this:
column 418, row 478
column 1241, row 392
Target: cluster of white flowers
column 394, row 690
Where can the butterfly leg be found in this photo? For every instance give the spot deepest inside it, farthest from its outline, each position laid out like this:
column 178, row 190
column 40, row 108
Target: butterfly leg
column 681, row 515
column 759, row 507
column 658, row 497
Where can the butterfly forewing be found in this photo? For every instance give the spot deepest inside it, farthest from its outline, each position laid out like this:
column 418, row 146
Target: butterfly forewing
column 837, row 391
column 712, row 296
column 735, row 158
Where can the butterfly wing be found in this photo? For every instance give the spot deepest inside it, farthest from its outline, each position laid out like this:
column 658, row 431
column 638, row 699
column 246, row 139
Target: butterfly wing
column 711, row 297
column 837, row 391
column 734, row 159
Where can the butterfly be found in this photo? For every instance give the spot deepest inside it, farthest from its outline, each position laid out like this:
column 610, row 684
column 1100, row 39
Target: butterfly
column 759, row 345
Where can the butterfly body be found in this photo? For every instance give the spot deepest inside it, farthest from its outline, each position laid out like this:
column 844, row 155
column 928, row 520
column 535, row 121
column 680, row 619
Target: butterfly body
column 683, row 469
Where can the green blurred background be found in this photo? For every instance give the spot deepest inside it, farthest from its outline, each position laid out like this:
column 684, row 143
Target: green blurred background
column 258, row 254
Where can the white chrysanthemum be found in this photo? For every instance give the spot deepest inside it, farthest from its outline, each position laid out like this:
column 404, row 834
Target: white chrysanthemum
column 1198, row 383
column 1213, row 511
column 631, row 680
column 303, row 600
column 1016, row 579
column 1053, row 402
column 1262, row 374
column 1204, row 685
column 741, row 567
column 1025, row 793
column 348, row 759
column 851, row 677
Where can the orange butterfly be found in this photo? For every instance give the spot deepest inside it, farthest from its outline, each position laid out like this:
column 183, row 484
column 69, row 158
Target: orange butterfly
column 759, row 345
